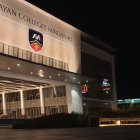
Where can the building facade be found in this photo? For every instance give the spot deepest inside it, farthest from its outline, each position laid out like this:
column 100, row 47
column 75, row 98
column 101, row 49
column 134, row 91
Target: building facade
column 48, row 66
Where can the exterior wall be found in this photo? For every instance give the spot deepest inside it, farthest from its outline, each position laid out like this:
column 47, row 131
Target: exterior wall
column 76, row 99
column 93, row 51
column 60, row 40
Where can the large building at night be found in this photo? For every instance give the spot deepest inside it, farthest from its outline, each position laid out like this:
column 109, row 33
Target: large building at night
column 48, row 66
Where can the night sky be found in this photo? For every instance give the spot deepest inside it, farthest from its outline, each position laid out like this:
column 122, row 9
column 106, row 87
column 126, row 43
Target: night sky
column 114, row 22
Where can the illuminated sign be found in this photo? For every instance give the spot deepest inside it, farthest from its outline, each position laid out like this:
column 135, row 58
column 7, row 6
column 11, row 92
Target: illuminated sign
column 35, row 39
column 127, row 101
column 105, row 82
column 106, row 85
column 85, row 88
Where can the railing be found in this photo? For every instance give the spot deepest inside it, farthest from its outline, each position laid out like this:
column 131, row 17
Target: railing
column 118, row 121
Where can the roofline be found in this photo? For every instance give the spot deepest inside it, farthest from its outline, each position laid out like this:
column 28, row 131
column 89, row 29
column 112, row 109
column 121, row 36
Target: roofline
column 84, row 36
column 97, row 43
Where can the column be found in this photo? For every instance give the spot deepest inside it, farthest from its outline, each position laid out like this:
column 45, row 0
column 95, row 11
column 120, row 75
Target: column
column 41, row 100
column 4, row 104
column 69, row 98
column 22, row 103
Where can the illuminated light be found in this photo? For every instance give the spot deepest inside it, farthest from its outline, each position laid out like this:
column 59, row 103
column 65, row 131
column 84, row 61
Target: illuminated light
column 50, row 76
column 86, row 81
column 41, row 71
column 9, row 68
column 65, row 80
column 84, row 104
column 106, row 85
column 41, row 74
column 78, row 82
column 18, row 65
column 7, row 81
column 31, row 73
column 74, row 78
column 59, row 74
column 54, row 90
column 85, row 88
column 105, row 82
column 106, row 92
column 132, row 101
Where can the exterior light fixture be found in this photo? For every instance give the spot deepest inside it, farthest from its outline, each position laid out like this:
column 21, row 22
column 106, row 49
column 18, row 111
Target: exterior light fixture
column 9, row 68
column 18, row 64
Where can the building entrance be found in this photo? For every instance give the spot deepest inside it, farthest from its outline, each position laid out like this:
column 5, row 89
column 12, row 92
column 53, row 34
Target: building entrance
column 20, row 98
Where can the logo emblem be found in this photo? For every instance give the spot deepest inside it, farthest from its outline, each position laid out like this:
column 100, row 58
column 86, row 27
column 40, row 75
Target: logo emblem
column 35, row 39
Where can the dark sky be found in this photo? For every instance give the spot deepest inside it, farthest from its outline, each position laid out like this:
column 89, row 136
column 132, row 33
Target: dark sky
column 114, row 22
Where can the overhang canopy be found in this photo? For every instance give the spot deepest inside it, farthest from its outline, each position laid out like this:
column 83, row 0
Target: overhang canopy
column 13, row 66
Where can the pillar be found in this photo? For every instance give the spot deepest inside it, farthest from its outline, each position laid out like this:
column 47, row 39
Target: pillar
column 22, row 103
column 41, row 101
column 4, row 104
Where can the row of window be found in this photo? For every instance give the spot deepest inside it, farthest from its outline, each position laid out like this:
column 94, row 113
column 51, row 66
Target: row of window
column 49, row 110
column 33, row 94
column 28, row 95
column 34, row 57
column 51, row 92
column 95, row 107
column 98, row 93
column 11, row 97
column 34, row 112
column 96, row 103
column 14, row 113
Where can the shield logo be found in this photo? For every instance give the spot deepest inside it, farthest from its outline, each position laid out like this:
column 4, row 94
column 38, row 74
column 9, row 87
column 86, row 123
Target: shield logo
column 35, row 40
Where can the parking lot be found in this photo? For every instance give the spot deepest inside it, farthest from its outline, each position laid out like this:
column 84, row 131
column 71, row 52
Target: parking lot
column 89, row 133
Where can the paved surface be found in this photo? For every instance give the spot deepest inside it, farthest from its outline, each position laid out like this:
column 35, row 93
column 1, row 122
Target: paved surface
column 90, row 133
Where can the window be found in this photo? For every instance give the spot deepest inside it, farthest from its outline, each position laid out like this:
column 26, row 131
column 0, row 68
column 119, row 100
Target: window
column 31, row 94
column 11, row 97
